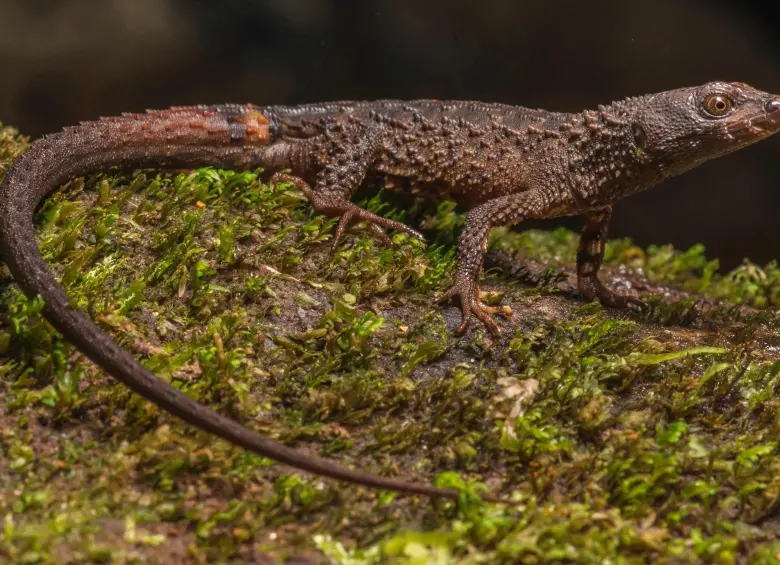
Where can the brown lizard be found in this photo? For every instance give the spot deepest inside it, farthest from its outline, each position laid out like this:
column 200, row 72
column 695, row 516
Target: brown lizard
column 504, row 163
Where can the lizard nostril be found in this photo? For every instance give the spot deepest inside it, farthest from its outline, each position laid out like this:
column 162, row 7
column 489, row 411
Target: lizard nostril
column 773, row 106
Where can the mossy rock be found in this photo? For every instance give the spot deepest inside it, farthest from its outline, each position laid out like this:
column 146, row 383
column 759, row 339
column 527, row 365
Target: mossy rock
column 625, row 437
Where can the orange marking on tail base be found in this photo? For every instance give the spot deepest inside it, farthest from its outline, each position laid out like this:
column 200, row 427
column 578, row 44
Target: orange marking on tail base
column 257, row 129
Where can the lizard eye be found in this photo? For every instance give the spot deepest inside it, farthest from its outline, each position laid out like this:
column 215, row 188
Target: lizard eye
column 718, row 105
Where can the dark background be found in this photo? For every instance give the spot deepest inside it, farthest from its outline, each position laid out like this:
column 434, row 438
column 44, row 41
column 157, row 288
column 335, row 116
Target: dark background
column 61, row 62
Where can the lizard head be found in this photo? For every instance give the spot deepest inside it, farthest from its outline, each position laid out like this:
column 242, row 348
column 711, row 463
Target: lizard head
column 683, row 128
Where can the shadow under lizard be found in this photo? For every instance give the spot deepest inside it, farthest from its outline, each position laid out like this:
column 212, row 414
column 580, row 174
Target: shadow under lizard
column 503, row 163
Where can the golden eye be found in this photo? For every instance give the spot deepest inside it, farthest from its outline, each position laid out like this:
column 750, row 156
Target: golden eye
column 718, row 105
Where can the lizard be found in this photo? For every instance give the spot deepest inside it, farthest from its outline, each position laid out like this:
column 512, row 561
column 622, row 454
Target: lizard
column 503, row 163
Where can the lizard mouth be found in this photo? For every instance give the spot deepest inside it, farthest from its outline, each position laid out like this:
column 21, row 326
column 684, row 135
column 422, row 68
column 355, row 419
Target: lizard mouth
column 763, row 124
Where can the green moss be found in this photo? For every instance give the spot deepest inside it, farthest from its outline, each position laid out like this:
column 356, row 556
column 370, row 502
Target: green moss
column 625, row 438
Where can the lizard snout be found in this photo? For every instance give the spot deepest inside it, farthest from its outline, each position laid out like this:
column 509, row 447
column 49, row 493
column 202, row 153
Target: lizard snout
column 773, row 106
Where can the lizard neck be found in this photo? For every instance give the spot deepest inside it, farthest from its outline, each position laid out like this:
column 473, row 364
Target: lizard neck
column 606, row 158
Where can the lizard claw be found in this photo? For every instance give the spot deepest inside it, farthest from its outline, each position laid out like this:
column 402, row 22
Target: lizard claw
column 470, row 303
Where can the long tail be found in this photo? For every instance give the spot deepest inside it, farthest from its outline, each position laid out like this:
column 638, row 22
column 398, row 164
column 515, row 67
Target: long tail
column 227, row 136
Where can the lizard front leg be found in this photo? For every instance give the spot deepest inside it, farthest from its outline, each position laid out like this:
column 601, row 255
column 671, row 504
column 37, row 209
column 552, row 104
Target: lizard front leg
column 472, row 245
column 590, row 254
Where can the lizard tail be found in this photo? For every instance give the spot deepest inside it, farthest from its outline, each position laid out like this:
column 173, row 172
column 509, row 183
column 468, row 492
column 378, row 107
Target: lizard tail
column 232, row 136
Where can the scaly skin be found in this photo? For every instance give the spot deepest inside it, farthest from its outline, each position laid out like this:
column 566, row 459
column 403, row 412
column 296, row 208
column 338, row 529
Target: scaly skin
column 504, row 163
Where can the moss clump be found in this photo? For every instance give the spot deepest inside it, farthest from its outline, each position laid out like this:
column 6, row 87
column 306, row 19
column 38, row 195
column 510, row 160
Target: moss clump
column 624, row 437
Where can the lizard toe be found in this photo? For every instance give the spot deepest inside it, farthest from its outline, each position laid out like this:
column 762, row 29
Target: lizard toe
column 470, row 303
column 593, row 289
column 640, row 304
column 298, row 182
column 379, row 234
column 346, row 219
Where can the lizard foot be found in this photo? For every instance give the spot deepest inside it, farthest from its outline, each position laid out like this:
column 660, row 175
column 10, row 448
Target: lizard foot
column 593, row 289
column 470, row 303
column 349, row 212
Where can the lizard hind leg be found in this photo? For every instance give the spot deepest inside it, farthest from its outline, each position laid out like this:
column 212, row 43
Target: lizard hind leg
column 334, row 204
